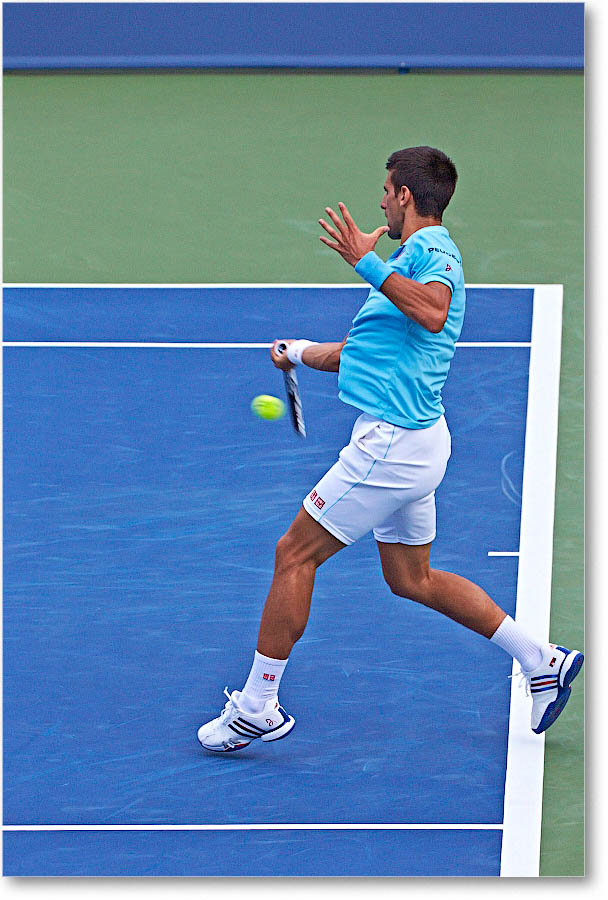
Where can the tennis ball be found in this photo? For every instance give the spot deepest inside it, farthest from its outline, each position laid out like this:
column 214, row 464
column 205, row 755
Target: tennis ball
column 267, row 407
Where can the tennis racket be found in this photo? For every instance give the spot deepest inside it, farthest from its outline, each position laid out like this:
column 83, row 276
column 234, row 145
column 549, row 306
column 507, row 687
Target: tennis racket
column 292, row 389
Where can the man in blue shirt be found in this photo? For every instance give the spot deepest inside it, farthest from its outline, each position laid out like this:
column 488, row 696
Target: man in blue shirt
column 392, row 366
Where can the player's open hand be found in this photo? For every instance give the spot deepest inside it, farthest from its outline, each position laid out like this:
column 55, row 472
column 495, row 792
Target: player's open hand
column 280, row 359
column 348, row 240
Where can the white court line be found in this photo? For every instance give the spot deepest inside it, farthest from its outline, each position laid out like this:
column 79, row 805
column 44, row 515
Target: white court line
column 125, row 345
column 503, row 552
column 481, row 344
column 525, row 751
column 168, row 345
column 237, row 284
column 257, row 827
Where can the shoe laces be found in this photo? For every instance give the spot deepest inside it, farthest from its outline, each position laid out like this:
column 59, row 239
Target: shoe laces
column 523, row 678
column 227, row 710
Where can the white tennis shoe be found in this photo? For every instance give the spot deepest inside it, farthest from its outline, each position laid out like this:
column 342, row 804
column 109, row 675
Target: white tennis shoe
column 550, row 683
column 234, row 729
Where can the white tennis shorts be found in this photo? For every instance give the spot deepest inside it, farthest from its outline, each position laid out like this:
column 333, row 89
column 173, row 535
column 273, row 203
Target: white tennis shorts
column 384, row 480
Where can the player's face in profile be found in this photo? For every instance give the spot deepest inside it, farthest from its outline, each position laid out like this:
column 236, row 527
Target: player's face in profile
column 392, row 210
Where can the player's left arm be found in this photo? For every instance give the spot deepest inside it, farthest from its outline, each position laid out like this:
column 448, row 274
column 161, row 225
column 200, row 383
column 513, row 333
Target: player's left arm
column 426, row 304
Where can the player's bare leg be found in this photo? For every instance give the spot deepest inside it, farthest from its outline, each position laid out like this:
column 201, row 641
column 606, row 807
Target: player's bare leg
column 255, row 711
column 408, row 574
column 549, row 669
column 299, row 553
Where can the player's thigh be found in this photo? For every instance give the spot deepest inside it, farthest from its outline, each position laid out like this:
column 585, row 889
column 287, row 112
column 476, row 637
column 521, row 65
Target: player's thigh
column 307, row 541
column 405, row 567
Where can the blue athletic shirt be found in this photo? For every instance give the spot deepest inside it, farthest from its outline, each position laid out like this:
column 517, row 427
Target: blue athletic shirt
column 391, row 367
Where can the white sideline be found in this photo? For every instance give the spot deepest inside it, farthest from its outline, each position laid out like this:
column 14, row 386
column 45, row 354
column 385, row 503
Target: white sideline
column 235, row 284
column 167, row 345
column 256, row 827
column 522, row 816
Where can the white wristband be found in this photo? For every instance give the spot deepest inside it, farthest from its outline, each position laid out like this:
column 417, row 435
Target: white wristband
column 296, row 349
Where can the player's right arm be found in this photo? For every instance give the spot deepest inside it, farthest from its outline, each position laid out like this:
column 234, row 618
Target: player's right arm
column 325, row 357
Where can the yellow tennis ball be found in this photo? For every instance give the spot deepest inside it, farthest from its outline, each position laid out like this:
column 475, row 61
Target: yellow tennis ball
column 267, row 407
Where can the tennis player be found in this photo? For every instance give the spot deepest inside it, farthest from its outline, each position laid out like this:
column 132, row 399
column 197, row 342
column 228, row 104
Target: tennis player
column 392, row 367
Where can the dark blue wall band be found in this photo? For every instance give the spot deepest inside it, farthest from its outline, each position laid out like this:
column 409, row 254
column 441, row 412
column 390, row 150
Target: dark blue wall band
column 340, row 35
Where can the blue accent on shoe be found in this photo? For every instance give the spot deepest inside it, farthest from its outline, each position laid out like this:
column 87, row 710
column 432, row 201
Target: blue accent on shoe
column 553, row 710
column 574, row 669
column 286, row 718
column 287, row 733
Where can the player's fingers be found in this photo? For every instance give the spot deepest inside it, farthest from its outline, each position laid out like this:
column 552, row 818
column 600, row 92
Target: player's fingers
column 335, row 219
column 379, row 232
column 280, row 360
column 347, row 216
column 284, row 341
column 279, row 343
column 331, row 231
column 329, row 243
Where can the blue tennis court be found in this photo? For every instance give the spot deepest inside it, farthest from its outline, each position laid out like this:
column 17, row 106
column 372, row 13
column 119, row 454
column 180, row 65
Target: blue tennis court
column 142, row 503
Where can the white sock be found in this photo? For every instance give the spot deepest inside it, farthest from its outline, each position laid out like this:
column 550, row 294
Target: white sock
column 263, row 682
column 510, row 637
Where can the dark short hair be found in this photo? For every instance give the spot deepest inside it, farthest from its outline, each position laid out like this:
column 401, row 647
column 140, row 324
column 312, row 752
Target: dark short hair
column 428, row 173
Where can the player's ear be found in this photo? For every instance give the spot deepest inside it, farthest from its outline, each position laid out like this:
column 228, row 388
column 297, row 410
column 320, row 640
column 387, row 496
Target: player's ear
column 405, row 195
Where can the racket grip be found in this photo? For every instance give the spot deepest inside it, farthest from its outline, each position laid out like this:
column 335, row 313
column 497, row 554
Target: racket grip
column 293, row 394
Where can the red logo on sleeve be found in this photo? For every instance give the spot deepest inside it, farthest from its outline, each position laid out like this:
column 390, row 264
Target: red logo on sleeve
column 448, row 268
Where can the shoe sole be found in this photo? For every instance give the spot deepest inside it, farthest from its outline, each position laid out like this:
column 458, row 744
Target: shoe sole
column 224, row 749
column 563, row 693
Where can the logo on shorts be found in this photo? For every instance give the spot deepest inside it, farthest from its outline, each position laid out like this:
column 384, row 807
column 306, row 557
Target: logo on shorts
column 317, row 500
column 268, row 677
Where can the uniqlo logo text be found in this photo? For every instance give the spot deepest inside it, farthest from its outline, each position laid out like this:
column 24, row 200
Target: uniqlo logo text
column 317, row 500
